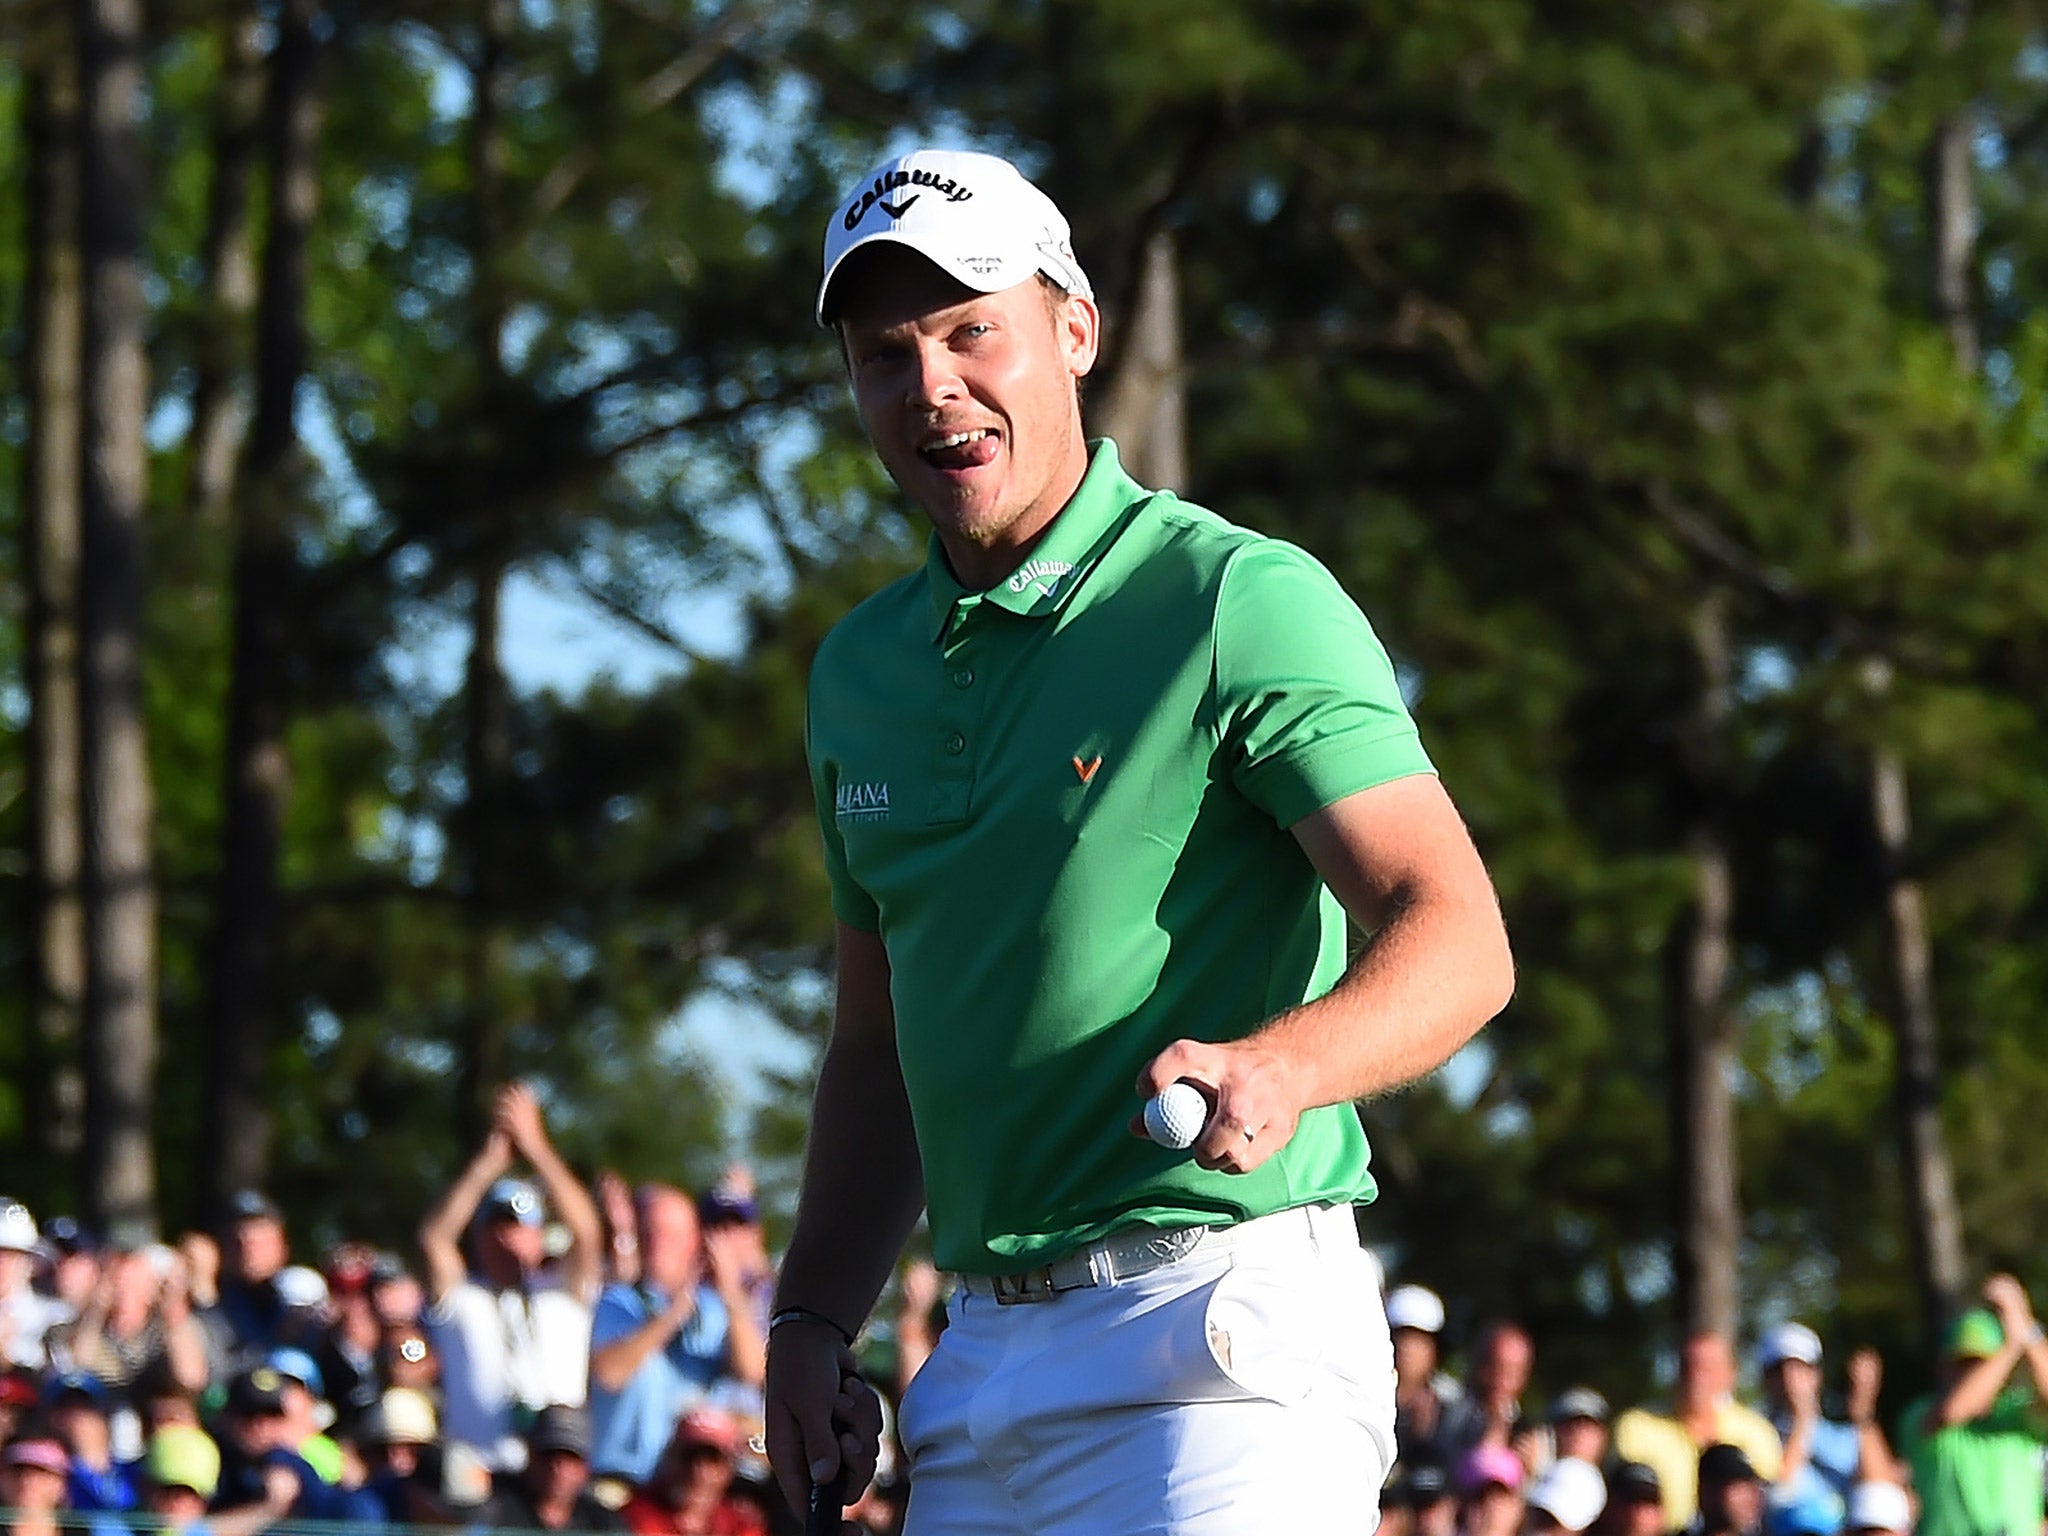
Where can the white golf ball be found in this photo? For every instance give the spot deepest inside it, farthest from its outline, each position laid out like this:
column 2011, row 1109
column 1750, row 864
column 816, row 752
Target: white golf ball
column 1175, row 1115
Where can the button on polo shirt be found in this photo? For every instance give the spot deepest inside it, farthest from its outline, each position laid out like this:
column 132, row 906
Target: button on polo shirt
column 1063, row 804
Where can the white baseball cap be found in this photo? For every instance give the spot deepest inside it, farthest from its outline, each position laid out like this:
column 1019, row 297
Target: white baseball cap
column 973, row 216
column 1879, row 1507
column 17, row 1227
column 299, row 1285
column 1789, row 1341
column 1572, row 1492
column 1417, row 1307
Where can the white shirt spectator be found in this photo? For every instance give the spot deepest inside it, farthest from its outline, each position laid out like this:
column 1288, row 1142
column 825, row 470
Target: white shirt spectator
column 506, row 1351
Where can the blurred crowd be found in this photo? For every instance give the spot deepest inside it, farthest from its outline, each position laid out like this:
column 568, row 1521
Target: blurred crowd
column 553, row 1357
column 557, row 1357
column 1479, row 1457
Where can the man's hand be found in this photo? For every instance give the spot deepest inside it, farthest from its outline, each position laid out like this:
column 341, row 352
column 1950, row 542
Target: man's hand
column 1866, row 1380
column 1253, row 1092
column 820, row 1415
column 1802, row 1394
column 727, row 1250
column 517, row 1115
column 2008, row 1298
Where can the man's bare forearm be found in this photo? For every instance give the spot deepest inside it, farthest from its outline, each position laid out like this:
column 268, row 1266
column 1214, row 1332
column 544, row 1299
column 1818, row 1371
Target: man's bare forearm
column 863, row 1184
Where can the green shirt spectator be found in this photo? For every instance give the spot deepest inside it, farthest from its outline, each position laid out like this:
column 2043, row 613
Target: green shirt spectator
column 1975, row 1446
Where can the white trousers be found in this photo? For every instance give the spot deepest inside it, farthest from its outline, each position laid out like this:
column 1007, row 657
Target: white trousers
column 1246, row 1390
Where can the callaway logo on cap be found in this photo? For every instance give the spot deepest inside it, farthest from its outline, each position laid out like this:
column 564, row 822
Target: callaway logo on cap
column 973, row 216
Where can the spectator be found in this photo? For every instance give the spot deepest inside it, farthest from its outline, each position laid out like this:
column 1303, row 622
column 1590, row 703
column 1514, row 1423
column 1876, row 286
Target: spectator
column 397, row 1297
column 345, row 1349
column 1703, row 1413
column 248, row 1320
column 77, row 1406
column 1432, row 1501
column 513, row 1337
column 1635, row 1502
column 663, row 1344
column 551, row 1492
column 393, row 1433
column 689, row 1493
column 1490, row 1412
column 72, row 1255
column 33, row 1470
column 19, row 1397
column 1575, row 1426
column 731, row 1217
column 137, row 1320
column 1422, row 1393
column 920, row 1314
column 1879, row 1509
column 1823, row 1457
column 1491, row 1477
column 1731, row 1494
column 181, row 1474
column 260, row 1464
column 26, row 1315
column 306, row 1413
column 1975, row 1445
column 407, row 1359
column 1568, row 1497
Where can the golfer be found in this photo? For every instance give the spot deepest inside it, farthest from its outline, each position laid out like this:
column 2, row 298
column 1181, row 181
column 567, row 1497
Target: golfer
column 1099, row 787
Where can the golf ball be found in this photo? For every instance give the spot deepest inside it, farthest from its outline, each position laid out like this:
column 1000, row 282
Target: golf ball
column 1175, row 1115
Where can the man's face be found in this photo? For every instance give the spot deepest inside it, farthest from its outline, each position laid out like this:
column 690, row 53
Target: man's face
column 523, row 1245
column 176, row 1506
column 31, row 1490
column 81, row 1425
column 15, row 1269
column 968, row 398
column 1792, row 1381
column 670, row 1243
column 74, row 1277
column 1706, row 1365
column 1506, row 1363
column 1643, row 1517
column 1583, row 1438
column 259, row 1432
column 1739, row 1504
column 560, row 1474
column 1414, row 1354
column 260, row 1250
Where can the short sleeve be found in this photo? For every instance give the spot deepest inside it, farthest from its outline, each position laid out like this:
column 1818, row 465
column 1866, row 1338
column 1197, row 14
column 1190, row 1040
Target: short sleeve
column 616, row 1316
column 850, row 904
column 1308, row 705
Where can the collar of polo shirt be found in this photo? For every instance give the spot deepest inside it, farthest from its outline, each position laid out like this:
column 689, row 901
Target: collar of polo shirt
column 1102, row 506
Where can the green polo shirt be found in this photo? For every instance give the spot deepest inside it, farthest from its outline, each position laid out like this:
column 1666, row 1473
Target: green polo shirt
column 1063, row 803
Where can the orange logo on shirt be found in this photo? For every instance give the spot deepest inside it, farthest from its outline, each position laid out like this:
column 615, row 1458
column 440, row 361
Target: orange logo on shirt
column 1086, row 771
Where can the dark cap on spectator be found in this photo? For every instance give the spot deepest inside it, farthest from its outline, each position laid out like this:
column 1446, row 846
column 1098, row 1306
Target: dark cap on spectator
column 75, row 1387
column 258, row 1391
column 1726, row 1464
column 512, row 1199
column 1578, row 1403
column 723, row 1206
column 64, row 1236
column 385, row 1268
column 560, row 1427
column 253, row 1205
column 1427, row 1479
column 1634, row 1480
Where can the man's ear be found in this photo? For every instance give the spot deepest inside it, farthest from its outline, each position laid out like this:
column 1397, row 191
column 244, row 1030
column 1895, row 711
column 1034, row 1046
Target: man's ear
column 1079, row 323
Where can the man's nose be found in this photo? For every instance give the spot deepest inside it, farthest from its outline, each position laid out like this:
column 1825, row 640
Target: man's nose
column 934, row 375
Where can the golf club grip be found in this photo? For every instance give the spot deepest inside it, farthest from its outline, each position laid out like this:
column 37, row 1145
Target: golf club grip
column 828, row 1504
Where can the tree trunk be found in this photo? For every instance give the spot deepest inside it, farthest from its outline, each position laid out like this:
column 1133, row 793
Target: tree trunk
column 218, row 410
column 118, row 1028
column 54, row 311
column 1933, row 1216
column 488, row 753
column 239, row 1015
column 1703, row 1034
column 1146, row 410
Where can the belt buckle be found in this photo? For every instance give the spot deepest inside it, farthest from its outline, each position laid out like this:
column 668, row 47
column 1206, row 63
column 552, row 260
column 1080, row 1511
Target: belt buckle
column 1031, row 1286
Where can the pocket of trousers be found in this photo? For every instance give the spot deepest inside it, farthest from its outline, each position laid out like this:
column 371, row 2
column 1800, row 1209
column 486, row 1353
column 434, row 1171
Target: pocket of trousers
column 1292, row 1335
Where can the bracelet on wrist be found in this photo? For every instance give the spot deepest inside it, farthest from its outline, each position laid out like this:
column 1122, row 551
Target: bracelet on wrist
column 805, row 1315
